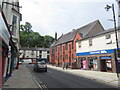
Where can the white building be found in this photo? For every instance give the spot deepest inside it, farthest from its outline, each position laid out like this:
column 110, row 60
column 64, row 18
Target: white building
column 34, row 53
column 12, row 16
column 118, row 1
column 97, row 52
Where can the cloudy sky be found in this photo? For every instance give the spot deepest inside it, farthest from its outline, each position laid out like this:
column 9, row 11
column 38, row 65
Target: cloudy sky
column 61, row 16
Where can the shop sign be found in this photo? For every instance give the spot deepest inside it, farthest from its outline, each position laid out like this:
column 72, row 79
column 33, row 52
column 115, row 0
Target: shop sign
column 96, row 52
column 105, row 57
column 4, row 34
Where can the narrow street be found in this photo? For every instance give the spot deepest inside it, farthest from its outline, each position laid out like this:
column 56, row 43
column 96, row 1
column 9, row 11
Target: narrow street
column 58, row 79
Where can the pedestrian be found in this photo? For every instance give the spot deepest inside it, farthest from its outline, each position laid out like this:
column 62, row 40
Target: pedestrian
column 66, row 65
column 63, row 65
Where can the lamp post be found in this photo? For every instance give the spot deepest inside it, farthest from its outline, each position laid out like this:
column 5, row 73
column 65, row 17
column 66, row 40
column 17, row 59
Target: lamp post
column 117, row 56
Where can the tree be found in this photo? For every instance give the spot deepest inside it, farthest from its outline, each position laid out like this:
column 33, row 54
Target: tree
column 28, row 38
column 48, row 41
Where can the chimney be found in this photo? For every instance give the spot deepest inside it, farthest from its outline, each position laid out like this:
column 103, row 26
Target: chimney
column 55, row 36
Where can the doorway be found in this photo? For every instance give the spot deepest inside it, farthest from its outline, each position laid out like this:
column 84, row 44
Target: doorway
column 106, row 65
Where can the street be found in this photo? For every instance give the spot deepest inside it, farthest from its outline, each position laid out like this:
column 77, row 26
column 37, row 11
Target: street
column 57, row 79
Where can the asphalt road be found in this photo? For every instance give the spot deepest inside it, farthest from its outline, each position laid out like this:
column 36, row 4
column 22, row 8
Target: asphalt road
column 57, row 79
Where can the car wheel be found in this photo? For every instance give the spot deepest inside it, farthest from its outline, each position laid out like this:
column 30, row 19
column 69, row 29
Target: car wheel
column 33, row 69
column 46, row 70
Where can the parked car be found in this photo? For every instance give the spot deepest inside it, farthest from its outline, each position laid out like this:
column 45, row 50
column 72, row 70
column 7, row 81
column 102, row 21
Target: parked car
column 40, row 66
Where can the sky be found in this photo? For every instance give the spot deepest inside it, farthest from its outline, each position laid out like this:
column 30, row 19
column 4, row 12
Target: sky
column 62, row 16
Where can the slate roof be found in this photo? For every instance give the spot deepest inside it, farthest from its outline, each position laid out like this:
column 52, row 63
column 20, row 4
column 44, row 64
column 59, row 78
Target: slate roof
column 70, row 36
column 101, row 33
column 33, row 48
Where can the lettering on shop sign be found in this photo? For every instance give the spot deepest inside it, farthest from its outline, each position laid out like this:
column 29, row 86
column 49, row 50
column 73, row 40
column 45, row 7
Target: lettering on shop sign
column 98, row 52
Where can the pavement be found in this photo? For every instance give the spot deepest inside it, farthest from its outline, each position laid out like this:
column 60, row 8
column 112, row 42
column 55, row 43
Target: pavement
column 22, row 77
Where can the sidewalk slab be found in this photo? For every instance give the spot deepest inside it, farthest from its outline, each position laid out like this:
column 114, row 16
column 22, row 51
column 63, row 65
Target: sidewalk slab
column 21, row 78
column 104, row 77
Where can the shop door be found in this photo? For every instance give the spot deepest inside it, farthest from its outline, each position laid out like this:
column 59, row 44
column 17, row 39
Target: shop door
column 106, row 65
column 103, row 65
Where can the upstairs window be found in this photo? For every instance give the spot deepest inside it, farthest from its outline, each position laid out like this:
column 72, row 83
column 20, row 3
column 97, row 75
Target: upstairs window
column 60, row 47
column 79, row 44
column 108, row 39
column 108, row 36
column 90, row 42
column 14, row 25
column 66, row 46
column 72, row 45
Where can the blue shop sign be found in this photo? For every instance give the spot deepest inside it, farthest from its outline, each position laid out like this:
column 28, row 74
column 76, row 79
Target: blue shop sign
column 105, row 57
column 96, row 52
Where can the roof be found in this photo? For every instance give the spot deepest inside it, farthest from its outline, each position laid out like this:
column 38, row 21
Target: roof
column 101, row 33
column 70, row 36
column 33, row 48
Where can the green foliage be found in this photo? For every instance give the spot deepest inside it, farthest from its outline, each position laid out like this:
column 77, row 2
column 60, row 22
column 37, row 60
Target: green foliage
column 28, row 38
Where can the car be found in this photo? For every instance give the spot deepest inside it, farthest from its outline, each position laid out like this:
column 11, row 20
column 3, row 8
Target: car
column 20, row 62
column 40, row 66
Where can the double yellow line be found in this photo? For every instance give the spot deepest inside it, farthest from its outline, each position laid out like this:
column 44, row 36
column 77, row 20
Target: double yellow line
column 39, row 81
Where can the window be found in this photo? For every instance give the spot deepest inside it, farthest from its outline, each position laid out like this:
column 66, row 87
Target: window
column 40, row 56
column 60, row 47
column 108, row 39
column 56, row 49
column 40, row 52
column 66, row 46
column 48, row 56
column 47, row 52
column 108, row 36
column 14, row 23
column 90, row 42
column 72, row 56
column 72, row 45
column 79, row 44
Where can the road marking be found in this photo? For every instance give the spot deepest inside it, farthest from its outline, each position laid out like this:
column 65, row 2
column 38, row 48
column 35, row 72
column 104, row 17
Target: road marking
column 38, row 81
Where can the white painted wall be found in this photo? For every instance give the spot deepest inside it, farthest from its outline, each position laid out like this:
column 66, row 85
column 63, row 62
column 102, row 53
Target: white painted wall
column 98, row 43
column 44, row 54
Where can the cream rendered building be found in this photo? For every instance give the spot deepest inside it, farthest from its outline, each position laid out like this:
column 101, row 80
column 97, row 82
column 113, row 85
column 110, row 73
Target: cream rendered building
column 98, row 51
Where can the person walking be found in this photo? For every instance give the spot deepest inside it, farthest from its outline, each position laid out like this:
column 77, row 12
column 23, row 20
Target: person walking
column 63, row 65
column 66, row 65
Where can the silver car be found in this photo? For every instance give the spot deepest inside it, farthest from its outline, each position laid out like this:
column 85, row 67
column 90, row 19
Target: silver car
column 40, row 66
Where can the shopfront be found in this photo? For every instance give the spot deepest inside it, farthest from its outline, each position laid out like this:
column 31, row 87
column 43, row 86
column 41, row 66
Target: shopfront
column 100, row 60
column 106, row 64
column 4, row 43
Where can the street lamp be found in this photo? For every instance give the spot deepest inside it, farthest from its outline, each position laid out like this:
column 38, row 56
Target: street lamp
column 117, row 56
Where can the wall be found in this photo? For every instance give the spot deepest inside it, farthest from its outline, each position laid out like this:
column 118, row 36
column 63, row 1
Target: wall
column 98, row 43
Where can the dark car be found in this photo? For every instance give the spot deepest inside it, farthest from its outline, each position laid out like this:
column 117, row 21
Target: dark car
column 40, row 66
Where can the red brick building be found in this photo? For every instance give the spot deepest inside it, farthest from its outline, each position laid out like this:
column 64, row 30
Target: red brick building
column 64, row 48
